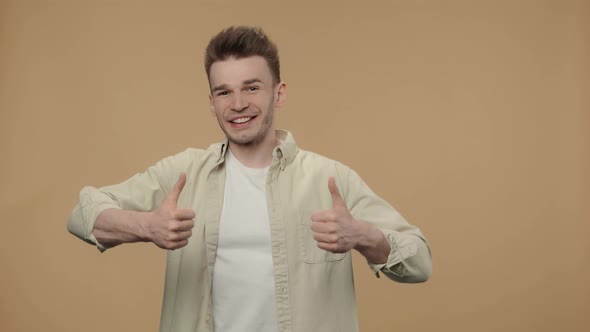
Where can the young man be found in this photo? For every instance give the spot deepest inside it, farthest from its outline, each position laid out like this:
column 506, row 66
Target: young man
column 262, row 229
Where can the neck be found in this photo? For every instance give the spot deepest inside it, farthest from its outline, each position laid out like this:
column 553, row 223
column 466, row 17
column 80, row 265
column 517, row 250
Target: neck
column 256, row 155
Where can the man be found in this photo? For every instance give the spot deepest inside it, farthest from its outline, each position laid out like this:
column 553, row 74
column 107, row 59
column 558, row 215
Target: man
column 258, row 231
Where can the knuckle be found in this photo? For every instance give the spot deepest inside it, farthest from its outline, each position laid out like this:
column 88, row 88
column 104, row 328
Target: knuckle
column 171, row 236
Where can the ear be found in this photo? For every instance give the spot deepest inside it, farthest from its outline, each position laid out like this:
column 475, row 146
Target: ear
column 211, row 107
column 281, row 94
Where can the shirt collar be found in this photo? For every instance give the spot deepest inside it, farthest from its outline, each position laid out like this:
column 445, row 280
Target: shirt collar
column 285, row 152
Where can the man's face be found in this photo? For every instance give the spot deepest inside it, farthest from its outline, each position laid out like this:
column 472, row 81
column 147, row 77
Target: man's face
column 243, row 98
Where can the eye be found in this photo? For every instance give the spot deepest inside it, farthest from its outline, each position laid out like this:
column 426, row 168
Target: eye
column 252, row 88
column 222, row 93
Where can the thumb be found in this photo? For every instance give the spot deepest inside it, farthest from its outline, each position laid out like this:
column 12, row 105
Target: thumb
column 337, row 200
column 173, row 195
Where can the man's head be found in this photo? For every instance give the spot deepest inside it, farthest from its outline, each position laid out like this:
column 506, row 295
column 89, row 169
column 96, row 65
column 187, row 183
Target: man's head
column 242, row 42
column 243, row 69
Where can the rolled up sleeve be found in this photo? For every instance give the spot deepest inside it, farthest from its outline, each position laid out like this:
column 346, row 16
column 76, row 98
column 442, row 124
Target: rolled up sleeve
column 142, row 192
column 409, row 259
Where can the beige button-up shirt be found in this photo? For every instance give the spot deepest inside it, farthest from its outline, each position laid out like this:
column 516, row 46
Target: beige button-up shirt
column 314, row 288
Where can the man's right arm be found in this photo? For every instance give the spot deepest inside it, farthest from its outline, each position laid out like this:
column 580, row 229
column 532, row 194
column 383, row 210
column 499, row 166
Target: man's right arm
column 167, row 227
column 140, row 209
column 114, row 227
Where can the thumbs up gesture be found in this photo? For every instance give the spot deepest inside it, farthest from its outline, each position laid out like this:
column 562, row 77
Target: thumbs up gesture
column 170, row 227
column 336, row 230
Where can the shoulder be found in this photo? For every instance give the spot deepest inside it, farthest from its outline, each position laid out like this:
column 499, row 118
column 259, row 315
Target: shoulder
column 309, row 157
column 311, row 172
column 319, row 162
column 320, row 168
column 189, row 160
column 190, row 155
column 213, row 152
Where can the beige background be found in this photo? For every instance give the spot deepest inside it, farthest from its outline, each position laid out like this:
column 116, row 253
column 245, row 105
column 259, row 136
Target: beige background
column 471, row 117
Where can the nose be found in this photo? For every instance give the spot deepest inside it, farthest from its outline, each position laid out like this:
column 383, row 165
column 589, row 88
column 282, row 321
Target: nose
column 238, row 102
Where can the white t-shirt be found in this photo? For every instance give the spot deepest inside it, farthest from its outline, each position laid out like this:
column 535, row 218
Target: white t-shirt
column 243, row 280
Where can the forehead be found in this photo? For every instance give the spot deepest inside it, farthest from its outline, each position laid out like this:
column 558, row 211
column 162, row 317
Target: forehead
column 234, row 71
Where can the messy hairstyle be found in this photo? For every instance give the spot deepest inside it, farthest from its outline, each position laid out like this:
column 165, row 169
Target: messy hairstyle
column 241, row 42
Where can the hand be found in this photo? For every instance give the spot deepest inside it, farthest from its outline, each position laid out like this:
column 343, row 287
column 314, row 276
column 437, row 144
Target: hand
column 335, row 230
column 170, row 227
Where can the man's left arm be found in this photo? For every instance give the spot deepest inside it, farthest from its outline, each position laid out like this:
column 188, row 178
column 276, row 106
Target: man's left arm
column 361, row 220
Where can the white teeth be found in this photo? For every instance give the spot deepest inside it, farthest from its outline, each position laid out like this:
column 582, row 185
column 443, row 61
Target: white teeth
column 241, row 120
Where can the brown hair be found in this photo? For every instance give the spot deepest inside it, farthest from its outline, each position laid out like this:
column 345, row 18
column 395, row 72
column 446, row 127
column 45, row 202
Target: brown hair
column 242, row 42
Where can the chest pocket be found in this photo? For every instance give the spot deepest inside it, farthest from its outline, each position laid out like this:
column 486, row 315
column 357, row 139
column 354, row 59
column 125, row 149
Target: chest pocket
column 308, row 247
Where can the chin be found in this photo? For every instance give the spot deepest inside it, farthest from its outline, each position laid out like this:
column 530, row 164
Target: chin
column 249, row 137
column 246, row 139
column 243, row 140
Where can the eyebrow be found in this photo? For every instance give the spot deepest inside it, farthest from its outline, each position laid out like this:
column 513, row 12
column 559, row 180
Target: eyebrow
column 250, row 81
column 219, row 87
column 246, row 82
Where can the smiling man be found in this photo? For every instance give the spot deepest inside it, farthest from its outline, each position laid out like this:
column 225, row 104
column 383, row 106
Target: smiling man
column 263, row 229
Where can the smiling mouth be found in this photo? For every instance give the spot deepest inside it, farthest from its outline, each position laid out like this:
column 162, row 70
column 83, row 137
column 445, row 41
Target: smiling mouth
column 243, row 119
